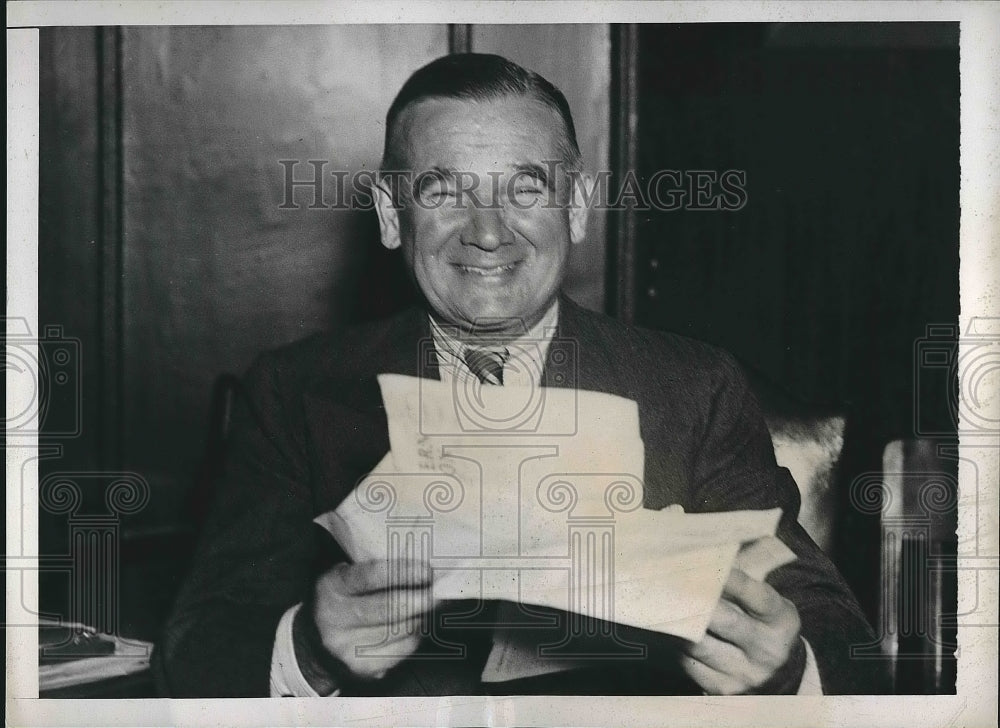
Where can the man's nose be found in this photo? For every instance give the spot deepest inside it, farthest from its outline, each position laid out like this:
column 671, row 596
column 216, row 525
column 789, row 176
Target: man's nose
column 486, row 228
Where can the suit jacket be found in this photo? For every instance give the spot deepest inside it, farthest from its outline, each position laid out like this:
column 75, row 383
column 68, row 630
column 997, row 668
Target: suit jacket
column 313, row 424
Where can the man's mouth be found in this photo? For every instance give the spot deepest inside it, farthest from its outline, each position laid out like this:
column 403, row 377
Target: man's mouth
column 487, row 271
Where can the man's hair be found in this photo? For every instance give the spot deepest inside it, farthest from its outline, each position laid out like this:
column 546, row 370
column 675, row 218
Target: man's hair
column 477, row 77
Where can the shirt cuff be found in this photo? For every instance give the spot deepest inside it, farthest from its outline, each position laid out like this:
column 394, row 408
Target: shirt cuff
column 810, row 684
column 287, row 680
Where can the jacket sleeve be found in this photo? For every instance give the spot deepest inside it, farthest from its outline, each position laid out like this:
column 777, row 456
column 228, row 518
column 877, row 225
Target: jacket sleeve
column 735, row 469
column 255, row 558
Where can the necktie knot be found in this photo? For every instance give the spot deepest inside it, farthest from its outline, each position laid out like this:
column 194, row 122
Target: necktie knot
column 486, row 362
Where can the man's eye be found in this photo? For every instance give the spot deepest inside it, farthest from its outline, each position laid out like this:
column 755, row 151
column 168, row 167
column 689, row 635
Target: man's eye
column 439, row 194
column 527, row 193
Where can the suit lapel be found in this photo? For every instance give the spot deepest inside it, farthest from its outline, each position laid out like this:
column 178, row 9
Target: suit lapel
column 582, row 356
column 345, row 417
column 577, row 356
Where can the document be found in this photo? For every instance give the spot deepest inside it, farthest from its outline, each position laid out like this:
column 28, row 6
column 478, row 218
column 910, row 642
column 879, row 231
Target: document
column 542, row 507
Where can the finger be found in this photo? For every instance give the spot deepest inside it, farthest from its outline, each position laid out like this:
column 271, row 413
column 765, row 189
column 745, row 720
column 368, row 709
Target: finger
column 390, row 608
column 389, row 630
column 731, row 624
column 374, row 655
column 765, row 644
column 754, row 597
column 405, row 628
column 727, row 659
column 369, row 638
column 366, row 577
column 711, row 680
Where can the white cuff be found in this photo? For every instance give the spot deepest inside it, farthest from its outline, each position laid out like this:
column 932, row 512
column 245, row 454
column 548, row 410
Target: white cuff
column 287, row 680
column 810, row 684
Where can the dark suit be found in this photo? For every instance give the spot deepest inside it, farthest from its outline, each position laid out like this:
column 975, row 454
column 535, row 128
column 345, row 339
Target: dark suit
column 314, row 424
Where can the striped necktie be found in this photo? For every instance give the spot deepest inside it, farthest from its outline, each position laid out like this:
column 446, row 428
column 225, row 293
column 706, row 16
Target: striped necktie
column 487, row 363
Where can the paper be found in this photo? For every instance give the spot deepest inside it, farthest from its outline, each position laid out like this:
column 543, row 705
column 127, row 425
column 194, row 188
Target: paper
column 516, row 653
column 759, row 558
column 542, row 508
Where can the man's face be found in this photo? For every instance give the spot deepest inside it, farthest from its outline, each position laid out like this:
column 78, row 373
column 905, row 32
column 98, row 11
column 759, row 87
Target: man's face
column 487, row 228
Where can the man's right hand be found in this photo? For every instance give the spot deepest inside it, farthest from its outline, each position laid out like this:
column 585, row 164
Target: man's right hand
column 372, row 603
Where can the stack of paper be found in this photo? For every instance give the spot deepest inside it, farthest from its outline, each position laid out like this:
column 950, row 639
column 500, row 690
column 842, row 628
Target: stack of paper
column 535, row 496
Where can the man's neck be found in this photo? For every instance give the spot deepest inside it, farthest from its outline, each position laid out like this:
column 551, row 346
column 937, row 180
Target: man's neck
column 494, row 331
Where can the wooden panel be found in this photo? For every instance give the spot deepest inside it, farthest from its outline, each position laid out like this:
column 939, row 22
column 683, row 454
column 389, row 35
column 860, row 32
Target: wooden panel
column 69, row 203
column 459, row 38
column 69, row 275
column 583, row 73
column 214, row 269
column 111, row 244
column 624, row 147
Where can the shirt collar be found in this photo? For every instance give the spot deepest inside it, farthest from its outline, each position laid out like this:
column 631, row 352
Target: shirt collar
column 527, row 352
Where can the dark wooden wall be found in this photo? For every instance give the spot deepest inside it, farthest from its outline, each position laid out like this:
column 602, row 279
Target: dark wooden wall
column 214, row 269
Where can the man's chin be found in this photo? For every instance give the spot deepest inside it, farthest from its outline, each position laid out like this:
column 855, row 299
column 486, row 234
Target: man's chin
column 494, row 320
column 498, row 312
column 498, row 323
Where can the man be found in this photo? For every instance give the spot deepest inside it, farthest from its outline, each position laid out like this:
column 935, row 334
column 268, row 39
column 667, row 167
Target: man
column 485, row 221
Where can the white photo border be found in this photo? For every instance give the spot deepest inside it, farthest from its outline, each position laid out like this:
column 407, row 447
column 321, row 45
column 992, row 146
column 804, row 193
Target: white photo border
column 976, row 700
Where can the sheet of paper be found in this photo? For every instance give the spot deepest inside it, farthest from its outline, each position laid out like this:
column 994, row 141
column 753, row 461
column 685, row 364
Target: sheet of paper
column 551, row 516
column 522, row 459
column 536, row 497
column 647, row 574
column 759, row 558
column 516, row 653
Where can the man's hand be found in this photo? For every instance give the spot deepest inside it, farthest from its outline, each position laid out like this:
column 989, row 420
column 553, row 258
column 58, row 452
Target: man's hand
column 752, row 644
column 359, row 605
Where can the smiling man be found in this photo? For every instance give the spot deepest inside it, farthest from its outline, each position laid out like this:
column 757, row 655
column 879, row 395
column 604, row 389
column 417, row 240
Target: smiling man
column 481, row 191
column 487, row 233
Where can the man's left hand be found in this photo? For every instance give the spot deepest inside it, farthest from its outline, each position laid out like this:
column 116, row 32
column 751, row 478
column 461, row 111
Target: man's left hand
column 752, row 644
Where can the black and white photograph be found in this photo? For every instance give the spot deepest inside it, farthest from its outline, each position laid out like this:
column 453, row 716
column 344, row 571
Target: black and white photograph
column 528, row 364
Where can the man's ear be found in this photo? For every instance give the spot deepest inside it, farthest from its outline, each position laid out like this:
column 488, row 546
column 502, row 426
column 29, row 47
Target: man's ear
column 578, row 210
column 388, row 215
